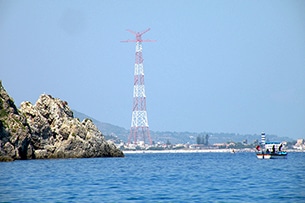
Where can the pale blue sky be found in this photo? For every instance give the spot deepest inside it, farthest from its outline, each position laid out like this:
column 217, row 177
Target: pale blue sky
column 217, row 66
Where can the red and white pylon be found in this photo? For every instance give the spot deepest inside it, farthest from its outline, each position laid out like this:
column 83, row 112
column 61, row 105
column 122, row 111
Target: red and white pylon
column 139, row 130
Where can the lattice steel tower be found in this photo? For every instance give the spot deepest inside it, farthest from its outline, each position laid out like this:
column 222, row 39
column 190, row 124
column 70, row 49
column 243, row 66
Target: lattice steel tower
column 139, row 130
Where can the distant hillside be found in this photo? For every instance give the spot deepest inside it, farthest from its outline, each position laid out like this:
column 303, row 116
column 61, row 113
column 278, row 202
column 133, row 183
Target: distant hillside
column 108, row 130
column 191, row 137
column 118, row 133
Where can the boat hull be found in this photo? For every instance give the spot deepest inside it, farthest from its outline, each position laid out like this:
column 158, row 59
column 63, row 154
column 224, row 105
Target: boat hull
column 263, row 156
column 280, row 155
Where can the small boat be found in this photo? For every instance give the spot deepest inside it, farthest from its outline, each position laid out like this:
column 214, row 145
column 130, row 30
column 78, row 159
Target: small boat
column 272, row 150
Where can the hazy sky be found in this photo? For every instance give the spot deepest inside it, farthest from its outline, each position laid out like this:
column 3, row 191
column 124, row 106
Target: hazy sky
column 217, row 66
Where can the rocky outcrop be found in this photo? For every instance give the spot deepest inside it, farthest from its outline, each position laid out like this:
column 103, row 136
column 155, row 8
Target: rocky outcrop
column 15, row 134
column 49, row 130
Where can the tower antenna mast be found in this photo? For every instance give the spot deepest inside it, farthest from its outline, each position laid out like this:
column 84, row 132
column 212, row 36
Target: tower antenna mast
column 139, row 130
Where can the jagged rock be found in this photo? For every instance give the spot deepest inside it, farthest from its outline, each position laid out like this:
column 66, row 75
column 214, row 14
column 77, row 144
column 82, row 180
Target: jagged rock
column 15, row 134
column 58, row 134
column 48, row 130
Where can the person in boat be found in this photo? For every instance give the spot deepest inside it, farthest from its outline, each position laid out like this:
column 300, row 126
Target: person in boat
column 267, row 151
column 273, row 149
column 280, row 147
column 258, row 148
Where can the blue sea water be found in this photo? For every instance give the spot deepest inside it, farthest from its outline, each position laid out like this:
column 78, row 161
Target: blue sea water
column 171, row 177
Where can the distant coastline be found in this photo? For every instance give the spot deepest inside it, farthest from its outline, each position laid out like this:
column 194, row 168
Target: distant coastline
column 182, row 151
column 195, row 151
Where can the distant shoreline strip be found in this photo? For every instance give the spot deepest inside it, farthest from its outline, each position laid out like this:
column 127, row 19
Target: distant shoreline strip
column 195, row 151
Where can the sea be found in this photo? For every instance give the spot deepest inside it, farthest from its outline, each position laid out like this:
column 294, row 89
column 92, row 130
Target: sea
column 156, row 177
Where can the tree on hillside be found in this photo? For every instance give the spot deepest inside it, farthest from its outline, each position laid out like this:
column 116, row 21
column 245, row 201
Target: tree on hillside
column 206, row 140
column 203, row 139
column 198, row 139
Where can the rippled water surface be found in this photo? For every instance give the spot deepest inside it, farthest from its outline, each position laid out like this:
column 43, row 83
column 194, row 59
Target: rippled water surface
column 185, row 177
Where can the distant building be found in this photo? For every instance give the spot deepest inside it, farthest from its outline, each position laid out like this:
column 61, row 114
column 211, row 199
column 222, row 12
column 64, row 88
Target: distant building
column 300, row 145
column 220, row 144
column 300, row 142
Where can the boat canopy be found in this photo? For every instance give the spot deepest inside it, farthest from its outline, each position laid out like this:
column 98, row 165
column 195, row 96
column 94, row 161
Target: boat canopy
column 273, row 143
